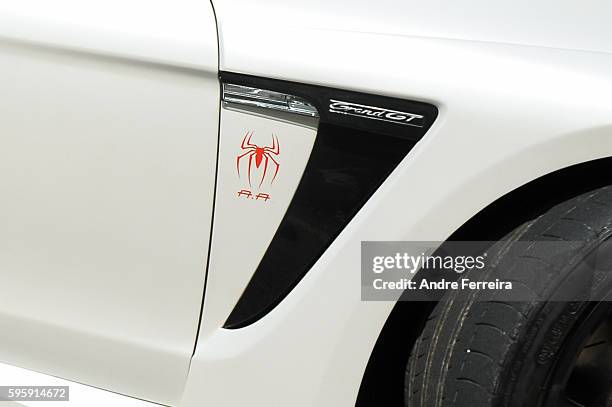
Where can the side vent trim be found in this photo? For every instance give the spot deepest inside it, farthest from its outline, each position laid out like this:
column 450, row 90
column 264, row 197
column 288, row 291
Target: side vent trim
column 352, row 156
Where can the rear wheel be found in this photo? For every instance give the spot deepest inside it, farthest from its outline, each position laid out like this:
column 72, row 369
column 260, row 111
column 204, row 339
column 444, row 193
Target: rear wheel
column 485, row 351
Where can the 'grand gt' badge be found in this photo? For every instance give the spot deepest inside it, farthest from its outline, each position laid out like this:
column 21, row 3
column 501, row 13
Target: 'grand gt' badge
column 376, row 113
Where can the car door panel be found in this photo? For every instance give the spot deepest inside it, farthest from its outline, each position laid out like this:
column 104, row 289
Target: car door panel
column 107, row 171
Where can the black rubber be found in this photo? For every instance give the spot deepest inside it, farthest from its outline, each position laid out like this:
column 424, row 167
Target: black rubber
column 484, row 350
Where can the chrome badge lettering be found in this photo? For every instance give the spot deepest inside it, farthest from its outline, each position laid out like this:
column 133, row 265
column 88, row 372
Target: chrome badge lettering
column 375, row 113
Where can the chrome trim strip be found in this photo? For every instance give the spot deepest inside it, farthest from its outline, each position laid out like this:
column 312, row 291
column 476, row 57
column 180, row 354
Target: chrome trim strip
column 267, row 99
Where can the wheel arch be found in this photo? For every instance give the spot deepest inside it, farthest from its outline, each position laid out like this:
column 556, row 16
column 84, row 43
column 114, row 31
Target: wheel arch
column 383, row 377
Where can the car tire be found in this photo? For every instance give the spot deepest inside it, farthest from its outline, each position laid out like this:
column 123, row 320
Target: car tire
column 488, row 351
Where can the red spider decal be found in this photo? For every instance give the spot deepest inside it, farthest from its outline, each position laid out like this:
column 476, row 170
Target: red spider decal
column 261, row 154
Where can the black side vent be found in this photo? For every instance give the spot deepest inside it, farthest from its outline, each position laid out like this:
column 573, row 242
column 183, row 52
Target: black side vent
column 360, row 140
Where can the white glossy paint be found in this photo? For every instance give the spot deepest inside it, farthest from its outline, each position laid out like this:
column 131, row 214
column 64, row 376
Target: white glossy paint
column 516, row 102
column 178, row 33
column 108, row 118
column 109, row 127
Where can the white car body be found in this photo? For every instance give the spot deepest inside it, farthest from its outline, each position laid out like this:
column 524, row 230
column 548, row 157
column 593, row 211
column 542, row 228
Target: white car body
column 113, row 138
